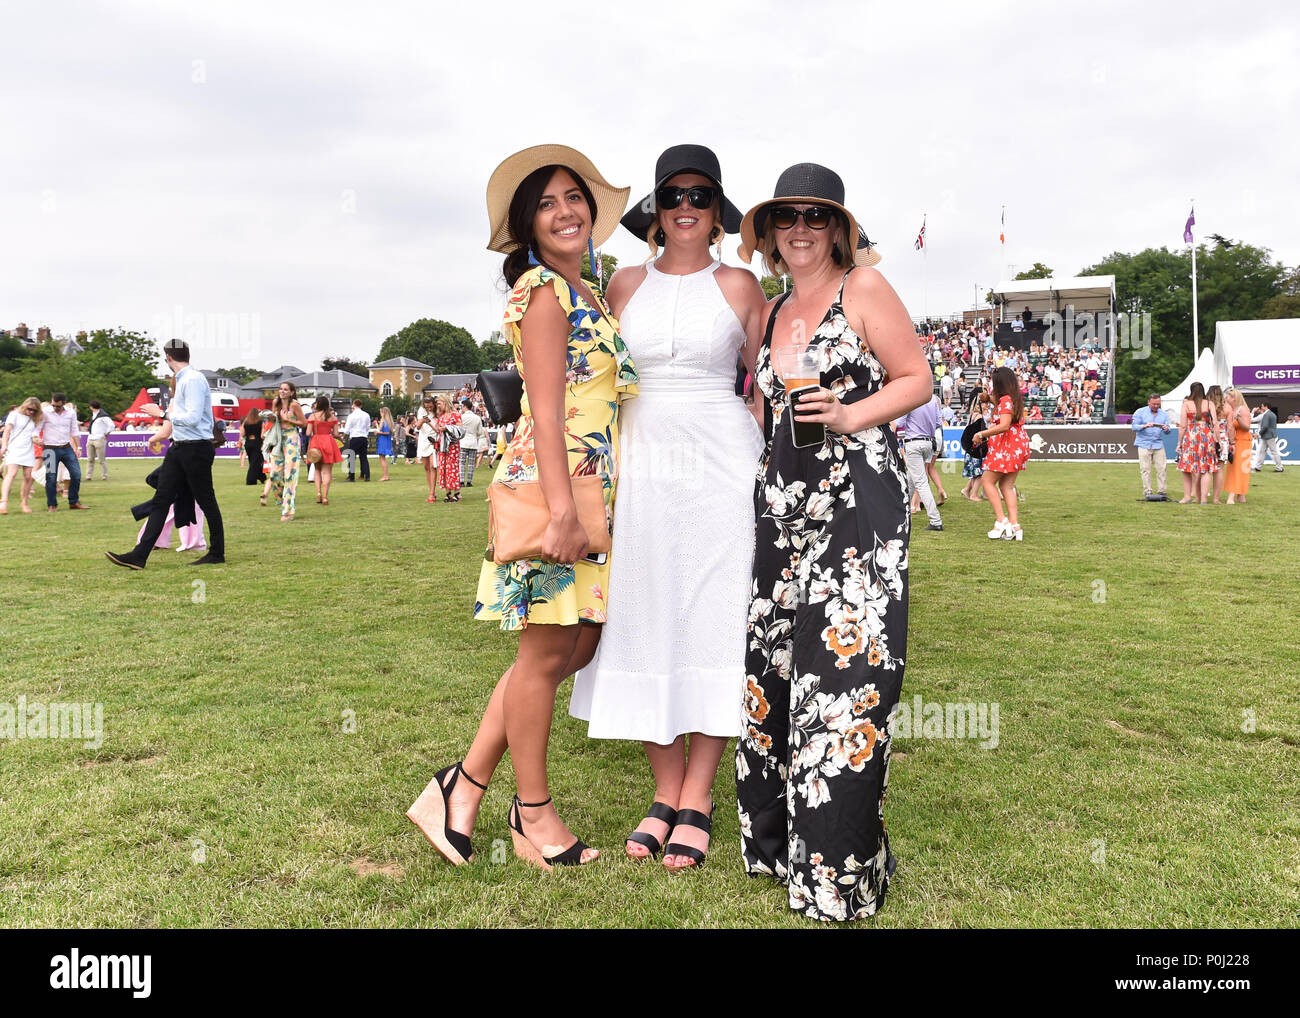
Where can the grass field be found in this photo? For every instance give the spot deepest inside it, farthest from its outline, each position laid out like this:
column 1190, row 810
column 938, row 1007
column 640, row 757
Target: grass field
column 267, row 722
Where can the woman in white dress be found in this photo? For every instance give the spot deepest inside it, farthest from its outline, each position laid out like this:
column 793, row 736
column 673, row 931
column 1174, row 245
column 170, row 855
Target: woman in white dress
column 18, row 451
column 670, row 668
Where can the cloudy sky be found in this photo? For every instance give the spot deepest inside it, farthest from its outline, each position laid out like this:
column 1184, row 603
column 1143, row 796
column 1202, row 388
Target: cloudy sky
column 292, row 180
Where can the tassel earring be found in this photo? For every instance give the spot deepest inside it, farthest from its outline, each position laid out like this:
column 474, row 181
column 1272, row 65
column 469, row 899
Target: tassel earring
column 591, row 258
column 532, row 258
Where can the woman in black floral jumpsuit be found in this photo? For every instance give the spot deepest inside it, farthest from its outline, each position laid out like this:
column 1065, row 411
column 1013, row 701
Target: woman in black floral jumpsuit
column 828, row 616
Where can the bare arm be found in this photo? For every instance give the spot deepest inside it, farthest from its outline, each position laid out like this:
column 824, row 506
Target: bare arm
column 622, row 284
column 747, row 299
column 878, row 316
column 544, row 334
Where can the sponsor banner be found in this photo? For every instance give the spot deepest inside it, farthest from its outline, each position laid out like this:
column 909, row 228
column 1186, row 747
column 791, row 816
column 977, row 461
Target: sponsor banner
column 1266, row 374
column 1106, row 442
column 135, row 445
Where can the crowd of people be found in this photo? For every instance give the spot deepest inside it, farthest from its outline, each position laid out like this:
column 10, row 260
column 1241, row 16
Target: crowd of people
column 1057, row 385
column 1214, row 444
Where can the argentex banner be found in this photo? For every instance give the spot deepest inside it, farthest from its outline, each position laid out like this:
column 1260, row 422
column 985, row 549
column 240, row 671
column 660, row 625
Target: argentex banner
column 1104, row 442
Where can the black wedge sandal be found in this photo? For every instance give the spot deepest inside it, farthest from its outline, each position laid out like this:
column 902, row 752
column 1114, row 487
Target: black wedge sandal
column 658, row 811
column 429, row 813
column 527, row 851
column 691, row 818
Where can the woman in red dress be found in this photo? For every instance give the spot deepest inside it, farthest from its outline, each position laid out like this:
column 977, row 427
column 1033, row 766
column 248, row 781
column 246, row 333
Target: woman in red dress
column 448, row 441
column 1007, row 455
column 323, row 424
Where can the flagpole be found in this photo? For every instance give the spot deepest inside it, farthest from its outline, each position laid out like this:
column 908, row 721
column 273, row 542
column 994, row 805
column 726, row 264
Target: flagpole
column 925, row 274
column 1196, row 332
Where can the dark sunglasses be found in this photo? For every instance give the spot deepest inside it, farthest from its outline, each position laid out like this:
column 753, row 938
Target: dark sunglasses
column 699, row 197
column 815, row 217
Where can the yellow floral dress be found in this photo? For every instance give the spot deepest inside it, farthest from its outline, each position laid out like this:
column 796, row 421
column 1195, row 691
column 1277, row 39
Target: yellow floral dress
column 600, row 375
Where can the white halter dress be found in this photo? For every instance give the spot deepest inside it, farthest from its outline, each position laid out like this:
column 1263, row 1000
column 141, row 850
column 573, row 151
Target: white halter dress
column 672, row 656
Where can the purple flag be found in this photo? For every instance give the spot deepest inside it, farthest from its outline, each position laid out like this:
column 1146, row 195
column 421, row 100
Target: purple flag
column 1187, row 230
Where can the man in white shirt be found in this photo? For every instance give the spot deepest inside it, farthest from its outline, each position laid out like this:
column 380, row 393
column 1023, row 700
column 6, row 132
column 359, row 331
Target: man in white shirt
column 469, row 445
column 97, row 441
column 61, row 436
column 185, row 477
column 357, row 428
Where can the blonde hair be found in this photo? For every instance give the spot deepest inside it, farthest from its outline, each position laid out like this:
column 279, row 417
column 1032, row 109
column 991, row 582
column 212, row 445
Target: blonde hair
column 32, row 403
column 385, row 414
column 446, row 405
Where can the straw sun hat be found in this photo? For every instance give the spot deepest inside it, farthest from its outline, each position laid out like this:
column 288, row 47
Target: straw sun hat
column 805, row 184
column 506, row 178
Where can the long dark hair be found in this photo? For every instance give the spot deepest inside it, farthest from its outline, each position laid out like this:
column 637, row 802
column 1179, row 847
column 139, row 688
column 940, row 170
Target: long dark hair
column 1197, row 395
column 285, row 404
column 1005, row 383
column 323, row 407
column 523, row 209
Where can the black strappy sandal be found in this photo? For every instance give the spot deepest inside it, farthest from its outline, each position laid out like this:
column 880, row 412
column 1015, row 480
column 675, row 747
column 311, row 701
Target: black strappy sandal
column 658, row 811
column 691, row 818
column 527, row 851
column 429, row 813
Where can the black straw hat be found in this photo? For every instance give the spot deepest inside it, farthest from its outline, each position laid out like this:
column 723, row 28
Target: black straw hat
column 680, row 159
column 805, row 184
column 968, row 439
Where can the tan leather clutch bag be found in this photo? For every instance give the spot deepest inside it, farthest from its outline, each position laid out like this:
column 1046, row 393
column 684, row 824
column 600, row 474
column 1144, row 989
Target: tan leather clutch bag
column 518, row 517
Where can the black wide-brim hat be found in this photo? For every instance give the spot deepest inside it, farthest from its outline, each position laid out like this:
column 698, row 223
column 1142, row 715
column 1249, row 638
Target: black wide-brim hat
column 805, row 184
column 968, row 445
column 680, row 159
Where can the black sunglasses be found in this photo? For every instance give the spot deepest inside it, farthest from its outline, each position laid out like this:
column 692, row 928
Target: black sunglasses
column 815, row 217
column 699, row 197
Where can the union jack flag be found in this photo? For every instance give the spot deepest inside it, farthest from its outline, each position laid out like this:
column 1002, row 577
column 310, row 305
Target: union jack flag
column 920, row 237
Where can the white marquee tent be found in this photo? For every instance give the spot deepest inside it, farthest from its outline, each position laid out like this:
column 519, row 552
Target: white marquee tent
column 1272, row 343
column 1269, row 343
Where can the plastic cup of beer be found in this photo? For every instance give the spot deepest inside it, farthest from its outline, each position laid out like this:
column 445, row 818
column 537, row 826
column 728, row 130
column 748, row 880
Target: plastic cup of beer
column 800, row 370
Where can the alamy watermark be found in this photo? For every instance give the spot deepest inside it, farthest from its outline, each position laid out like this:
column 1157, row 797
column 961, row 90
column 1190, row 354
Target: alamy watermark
column 935, row 720
column 1121, row 330
column 238, row 333
column 23, row 720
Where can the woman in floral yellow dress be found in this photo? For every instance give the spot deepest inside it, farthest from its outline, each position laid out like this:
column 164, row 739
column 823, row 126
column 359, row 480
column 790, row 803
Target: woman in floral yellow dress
column 545, row 204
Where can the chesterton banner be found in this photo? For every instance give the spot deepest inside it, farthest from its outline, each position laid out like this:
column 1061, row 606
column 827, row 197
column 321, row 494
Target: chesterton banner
column 1266, row 374
column 135, row 445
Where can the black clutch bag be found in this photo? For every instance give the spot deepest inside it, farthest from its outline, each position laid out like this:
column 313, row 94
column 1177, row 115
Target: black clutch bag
column 502, row 392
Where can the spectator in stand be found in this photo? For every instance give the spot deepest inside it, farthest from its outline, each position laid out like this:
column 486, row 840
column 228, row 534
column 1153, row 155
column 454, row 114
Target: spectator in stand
column 97, row 441
column 1035, row 415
